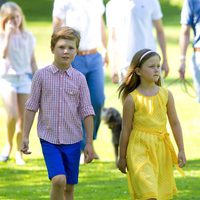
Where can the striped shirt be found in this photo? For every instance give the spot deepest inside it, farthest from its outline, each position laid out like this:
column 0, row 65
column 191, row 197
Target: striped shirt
column 63, row 100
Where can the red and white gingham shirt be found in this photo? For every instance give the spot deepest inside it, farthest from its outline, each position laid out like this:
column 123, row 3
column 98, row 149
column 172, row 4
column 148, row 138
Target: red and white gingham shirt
column 63, row 100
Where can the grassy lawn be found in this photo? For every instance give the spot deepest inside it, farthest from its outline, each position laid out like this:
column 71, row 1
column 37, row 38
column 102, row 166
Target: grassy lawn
column 100, row 179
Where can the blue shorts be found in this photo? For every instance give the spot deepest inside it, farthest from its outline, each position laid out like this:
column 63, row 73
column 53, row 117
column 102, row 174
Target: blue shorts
column 62, row 159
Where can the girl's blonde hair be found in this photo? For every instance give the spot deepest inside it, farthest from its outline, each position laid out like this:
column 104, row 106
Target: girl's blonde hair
column 132, row 80
column 6, row 13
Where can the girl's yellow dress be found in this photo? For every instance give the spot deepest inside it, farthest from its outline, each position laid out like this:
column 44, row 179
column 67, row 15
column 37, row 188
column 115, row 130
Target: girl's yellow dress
column 150, row 154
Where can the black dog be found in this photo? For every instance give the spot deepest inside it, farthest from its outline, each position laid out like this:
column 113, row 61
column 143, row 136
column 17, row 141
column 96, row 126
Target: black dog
column 114, row 121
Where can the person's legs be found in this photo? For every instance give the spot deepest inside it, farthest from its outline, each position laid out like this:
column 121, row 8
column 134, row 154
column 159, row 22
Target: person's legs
column 9, row 98
column 196, row 73
column 92, row 67
column 56, row 172
column 62, row 162
column 69, row 192
column 95, row 80
column 71, row 158
column 58, row 184
column 22, row 98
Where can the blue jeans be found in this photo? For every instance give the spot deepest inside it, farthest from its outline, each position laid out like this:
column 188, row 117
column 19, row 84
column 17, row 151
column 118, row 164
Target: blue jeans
column 196, row 73
column 92, row 67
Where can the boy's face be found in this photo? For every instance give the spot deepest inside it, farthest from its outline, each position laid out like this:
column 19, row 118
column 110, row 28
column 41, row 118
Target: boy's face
column 64, row 53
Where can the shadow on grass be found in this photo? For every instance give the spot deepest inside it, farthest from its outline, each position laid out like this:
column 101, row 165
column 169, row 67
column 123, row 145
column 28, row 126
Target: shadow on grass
column 189, row 186
column 27, row 182
column 98, row 180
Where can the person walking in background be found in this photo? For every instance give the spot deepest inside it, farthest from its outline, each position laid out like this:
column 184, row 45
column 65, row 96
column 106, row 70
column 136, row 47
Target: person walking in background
column 86, row 17
column 146, row 152
column 61, row 95
column 130, row 28
column 190, row 18
column 17, row 62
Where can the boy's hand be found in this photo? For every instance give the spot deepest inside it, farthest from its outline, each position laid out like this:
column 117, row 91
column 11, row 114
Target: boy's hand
column 25, row 146
column 88, row 153
column 122, row 165
column 181, row 159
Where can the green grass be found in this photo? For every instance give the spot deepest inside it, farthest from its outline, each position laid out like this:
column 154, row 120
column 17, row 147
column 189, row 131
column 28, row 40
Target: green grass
column 101, row 180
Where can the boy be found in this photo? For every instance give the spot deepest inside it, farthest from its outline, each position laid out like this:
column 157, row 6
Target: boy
column 61, row 95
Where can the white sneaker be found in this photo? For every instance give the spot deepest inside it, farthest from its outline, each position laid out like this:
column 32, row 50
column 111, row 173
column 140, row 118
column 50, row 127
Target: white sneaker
column 18, row 159
column 82, row 159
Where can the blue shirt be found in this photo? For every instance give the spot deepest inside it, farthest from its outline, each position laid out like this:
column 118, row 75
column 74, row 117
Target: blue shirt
column 190, row 15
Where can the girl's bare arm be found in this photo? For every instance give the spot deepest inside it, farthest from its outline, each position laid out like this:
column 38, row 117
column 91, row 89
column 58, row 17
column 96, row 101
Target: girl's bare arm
column 176, row 129
column 127, row 125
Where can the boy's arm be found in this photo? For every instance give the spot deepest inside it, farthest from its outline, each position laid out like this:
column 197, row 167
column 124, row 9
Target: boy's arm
column 28, row 122
column 89, row 128
column 176, row 129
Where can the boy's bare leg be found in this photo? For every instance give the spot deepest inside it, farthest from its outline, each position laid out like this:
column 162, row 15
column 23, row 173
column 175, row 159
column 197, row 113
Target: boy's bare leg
column 58, row 185
column 69, row 192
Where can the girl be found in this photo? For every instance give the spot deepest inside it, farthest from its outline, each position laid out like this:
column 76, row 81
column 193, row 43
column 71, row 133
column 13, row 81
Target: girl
column 145, row 148
column 17, row 62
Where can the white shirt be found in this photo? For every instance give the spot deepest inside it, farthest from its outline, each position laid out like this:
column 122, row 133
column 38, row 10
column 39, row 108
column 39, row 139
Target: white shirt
column 133, row 24
column 84, row 16
column 20, row 51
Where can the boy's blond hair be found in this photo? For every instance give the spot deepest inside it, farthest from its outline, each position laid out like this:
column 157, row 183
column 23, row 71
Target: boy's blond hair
column 65, row 33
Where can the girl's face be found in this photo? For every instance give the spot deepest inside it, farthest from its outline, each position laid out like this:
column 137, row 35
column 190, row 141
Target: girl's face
column 150, row 70
column 15, row 19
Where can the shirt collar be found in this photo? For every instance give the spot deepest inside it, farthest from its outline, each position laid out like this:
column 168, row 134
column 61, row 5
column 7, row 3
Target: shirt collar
column 68, row 71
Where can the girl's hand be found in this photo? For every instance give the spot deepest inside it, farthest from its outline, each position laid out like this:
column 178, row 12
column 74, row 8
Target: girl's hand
column 10, row 27
column 181, row 159
column 122, row 165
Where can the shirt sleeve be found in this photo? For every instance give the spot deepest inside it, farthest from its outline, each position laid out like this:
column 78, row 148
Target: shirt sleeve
column 101, row 7
column 33, row 102
column 157, row 12
column 31, row 42
column 186, row 13
column 85, row 106
column 109, row 14
column 59, row 9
